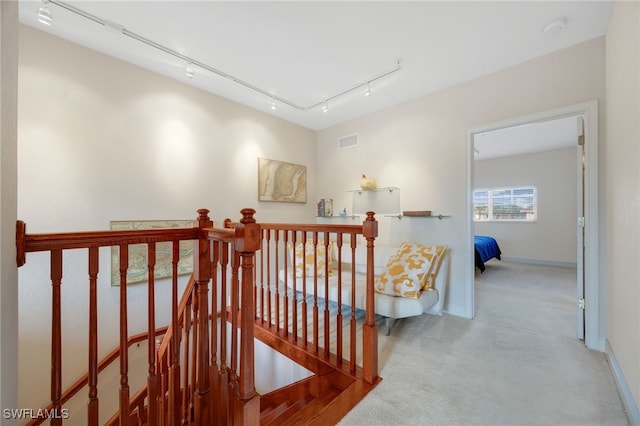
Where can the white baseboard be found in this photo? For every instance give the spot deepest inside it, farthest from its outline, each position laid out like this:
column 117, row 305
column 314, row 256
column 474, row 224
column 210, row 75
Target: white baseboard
column 572, row 265
column 630, row 405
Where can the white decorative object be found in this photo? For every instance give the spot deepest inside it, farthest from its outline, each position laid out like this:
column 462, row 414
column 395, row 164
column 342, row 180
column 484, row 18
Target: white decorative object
column 368, row 182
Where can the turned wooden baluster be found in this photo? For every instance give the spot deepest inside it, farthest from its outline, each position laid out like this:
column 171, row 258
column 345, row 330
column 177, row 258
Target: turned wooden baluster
column 159, row 377
column 277, row 286
column 56, row 335
column 285, row 313
column 305, row 319
column 235, row 306
column 256, row 288
column 353, row 324
column 327, row 314
column 263, row 279
column 194, row 350
column 152, row 378
column 370, row 329
column 268, row 238
column 215, row 321
column 187, row 387
column 316, row 320
column 124, row 352
column 339, row 316
column 202, row 274
column 294, row 301
column 174, row 369
column 92, row 405
column 223, row 414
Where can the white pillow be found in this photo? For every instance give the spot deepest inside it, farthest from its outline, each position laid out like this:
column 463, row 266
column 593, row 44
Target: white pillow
column 406, row 271
column 381, row 255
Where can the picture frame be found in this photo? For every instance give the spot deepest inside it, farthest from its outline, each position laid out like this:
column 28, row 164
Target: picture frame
column 279, row 181
column 325, row 207
column 138, row 269
column 328, row 207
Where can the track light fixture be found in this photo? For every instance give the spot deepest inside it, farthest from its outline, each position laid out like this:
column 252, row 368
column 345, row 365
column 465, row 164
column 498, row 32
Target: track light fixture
column 190, row 71
column 273, row 104
column 44, row 16
column 368, row 91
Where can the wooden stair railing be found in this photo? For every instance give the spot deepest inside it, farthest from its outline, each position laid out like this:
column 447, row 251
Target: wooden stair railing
column 161, row 367
column 202, row 371
column 104, row 363
column 305, row 320
column 218, row 393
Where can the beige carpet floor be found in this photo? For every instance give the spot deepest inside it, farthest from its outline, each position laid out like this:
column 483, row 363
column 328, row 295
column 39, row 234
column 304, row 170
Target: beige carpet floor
column 518, row 362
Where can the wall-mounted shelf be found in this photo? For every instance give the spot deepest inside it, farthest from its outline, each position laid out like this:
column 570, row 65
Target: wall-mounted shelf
column 387, row 189
column 433, row 216
column 385, row 200
column 351, row 216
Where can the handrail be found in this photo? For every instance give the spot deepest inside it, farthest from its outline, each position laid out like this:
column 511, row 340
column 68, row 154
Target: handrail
column 104, row 363
column 310, row 227
column 219, row 234
column 27, row 243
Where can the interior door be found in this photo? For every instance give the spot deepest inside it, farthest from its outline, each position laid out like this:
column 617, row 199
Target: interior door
column 580, row 306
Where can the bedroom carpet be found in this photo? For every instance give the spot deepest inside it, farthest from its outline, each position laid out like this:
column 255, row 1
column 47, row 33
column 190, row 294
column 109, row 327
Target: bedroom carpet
column 517, row 363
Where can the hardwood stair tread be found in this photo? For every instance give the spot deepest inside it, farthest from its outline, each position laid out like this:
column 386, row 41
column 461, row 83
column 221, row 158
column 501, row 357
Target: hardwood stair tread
column 276, row 415
column 313, row 407
column 330, row 406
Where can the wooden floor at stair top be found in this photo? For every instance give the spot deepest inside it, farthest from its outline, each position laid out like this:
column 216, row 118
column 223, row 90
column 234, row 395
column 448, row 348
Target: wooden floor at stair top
column 317, row 400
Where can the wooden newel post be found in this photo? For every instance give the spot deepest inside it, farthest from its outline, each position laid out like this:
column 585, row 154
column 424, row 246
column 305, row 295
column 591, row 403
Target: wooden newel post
column 202, row 274
column 247, row 242
column 370, row 329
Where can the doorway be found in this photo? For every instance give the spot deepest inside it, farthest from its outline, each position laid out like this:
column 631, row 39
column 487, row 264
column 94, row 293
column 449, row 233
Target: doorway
column 588, row 313
column 526, row 190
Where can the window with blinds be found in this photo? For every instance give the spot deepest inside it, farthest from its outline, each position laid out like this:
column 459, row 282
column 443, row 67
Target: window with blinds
column 513, row 204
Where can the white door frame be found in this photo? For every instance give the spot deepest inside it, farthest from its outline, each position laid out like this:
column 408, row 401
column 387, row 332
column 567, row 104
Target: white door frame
column 589, row 110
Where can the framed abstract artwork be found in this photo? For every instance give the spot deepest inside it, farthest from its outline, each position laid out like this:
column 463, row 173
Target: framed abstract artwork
column 137, row 271
column 280, row 181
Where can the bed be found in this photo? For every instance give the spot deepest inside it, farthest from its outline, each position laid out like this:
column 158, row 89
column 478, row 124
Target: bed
column 486, row 248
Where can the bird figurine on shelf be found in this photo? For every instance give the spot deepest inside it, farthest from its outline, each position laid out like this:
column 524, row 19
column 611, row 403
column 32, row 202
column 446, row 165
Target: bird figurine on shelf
column 368, row 182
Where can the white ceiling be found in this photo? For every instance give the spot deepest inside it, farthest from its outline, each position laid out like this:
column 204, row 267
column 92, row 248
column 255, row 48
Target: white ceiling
column 308, row 51
column 526, row 139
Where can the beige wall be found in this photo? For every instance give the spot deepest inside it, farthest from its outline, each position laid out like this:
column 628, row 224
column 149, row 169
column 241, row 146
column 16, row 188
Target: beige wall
column 623, row 190
column 102, row 140
column 87, row 122
column 421, row 145
column 551, row 238
column 8, row 176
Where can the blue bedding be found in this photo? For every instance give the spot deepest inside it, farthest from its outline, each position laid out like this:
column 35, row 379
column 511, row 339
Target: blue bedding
column 486, row 248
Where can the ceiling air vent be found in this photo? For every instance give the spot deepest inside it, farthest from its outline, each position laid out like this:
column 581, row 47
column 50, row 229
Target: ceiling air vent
column 348, row 141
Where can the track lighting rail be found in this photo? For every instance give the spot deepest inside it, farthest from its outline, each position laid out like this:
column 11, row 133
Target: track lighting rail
column 188, row 60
